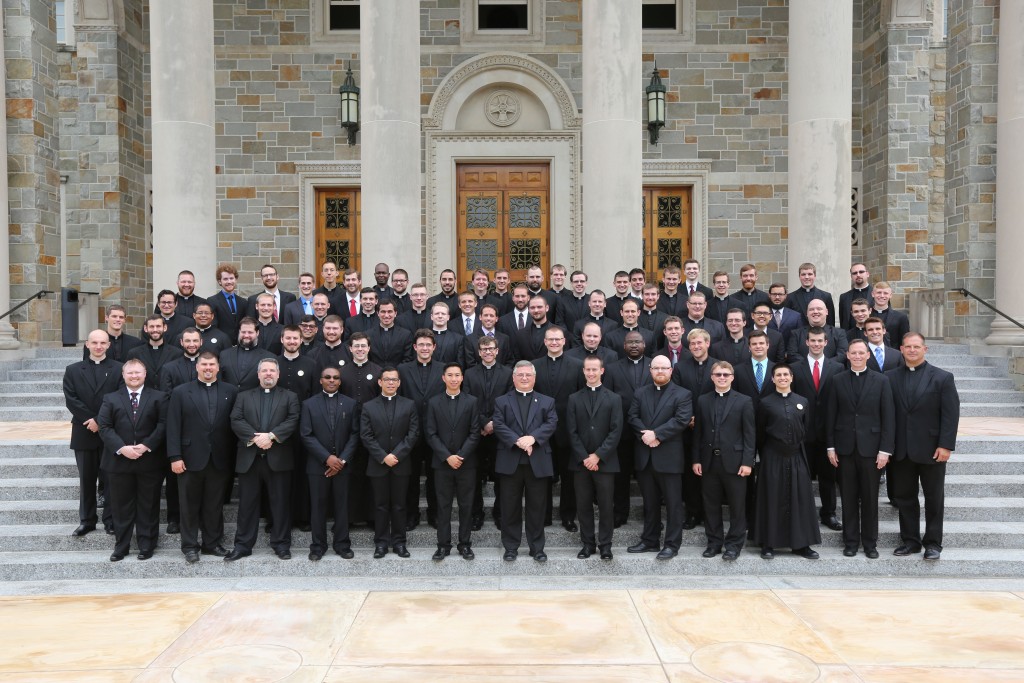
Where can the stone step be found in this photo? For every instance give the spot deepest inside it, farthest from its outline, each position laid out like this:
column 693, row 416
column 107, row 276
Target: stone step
column 991, row 410
column 34, row 414
column 947, row 347
column 168, row 563
column 56, row 376
column 35, row 448
column 989, row 445
column 31, row 387
column 1002, row 396
column 48, row 363
column 977, row 464
column 49, row 400
column 972, row 371
column 986, row 383
column 946, row 358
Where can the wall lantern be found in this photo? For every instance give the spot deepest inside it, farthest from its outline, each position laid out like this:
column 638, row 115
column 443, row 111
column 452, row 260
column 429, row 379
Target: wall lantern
column 655, row 105
column 350, row 105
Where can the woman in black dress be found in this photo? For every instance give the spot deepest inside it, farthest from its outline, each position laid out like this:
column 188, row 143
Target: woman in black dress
column 786, row 513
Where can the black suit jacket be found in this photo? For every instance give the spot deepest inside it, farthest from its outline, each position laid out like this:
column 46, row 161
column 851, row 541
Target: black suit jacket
column 320, row 439
column 179, row 371
column 745, row 383
column 392, row 347
column 540, row 423
column 606, row 324
column 776, row 344
column 118, row 430
column 803, row 384
column 270, row 336
column 737, row 431
column 572, row 309
column 892, row 360
column 860, row 424
column 224, row 318
column 712, row 327
column 926, row 418
column 667, row 411
column 191, row 435
column 231, row 371
column 476, row 384
column 455, row 432
column 286, row 298
column 747, row 300
column 292, row 313
column 566, row 380
column 247, row 420
column 450, row 347
column 595, row 422
column 791, row 322
column 119, row 347
column 717, row 309
column 616, row 339
column 215, row 340
column 508, row 323
column 299, row 376
column 412, row 321
column 896, row 322
column 606, row 355
column 531, row 340
column 799, row 298
column 620, row 378
column 836, row 347
column 419, row 387
column 694, row 376
column 846, row 300
column 471, row 356
column 155, row 362
column 381, row 436
column 83, row 397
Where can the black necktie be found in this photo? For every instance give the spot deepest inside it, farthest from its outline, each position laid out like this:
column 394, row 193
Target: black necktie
column 135, row 406
column 231, row 303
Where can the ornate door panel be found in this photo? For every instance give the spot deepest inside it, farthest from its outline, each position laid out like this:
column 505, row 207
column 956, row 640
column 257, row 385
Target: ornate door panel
column 668, row 229
column 503, row 219
column 338, row 228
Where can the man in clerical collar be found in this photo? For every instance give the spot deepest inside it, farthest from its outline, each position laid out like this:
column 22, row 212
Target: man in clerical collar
column 860, row 281
column 185, row 298
column 120, row 343
column 399, row 290
column 534, row 280
column 381, row 273
column 310, row 330
column 480, row 283
column 637, row 280
column 501, row 297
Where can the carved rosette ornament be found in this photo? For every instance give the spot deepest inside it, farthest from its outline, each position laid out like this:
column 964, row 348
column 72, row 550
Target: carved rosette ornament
column 503, row 108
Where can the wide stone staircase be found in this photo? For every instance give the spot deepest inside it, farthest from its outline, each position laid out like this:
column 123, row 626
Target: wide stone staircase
column 984, row 528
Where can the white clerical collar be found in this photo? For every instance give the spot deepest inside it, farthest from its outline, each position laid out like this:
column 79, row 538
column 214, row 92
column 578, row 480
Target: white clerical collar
column 267, row 391
column 452, row 396
column 209, row 384
column 786, row 394
column 330, row 395
column 721, row 394
column 594, row 388
column 523, row 393
column 858, row 372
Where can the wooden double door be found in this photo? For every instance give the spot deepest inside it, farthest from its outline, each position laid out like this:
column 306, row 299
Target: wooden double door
column 338, row 228
column 668, row 229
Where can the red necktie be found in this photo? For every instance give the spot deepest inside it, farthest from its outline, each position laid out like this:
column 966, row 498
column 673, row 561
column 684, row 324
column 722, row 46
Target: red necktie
column 352, row 308
column 816, row 374
column 692, row 288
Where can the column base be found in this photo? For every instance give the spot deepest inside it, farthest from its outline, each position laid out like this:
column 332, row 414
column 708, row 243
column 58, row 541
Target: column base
column 1003, row 333
column 8, row 339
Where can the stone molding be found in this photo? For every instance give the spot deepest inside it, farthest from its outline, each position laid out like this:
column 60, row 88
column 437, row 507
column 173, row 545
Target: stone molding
column 695, row 173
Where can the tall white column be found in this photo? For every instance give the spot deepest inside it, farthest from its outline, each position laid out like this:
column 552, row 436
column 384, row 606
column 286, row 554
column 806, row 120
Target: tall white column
column 1009, row 172
column 612, row 139
column 184, row 143
column 820, row 124
column 7, row 338
column 389, row 82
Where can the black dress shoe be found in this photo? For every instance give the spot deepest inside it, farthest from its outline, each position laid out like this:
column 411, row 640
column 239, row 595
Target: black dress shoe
column 401, row 551
column 539, row 556
column 569, row 525
column 711, row 551
column 173, row 528
column 109, row 528
column 315, row 556
column 767, row 553
column 510, row 555
column 478, row 523
column 606, row 554
column 932, row 554
column 145, row 555
column 379, row 552
column 871, row 553
column 467, row 552
column 237, row 554
column 807, row 553
column 691, row 523
column 667, row 553
column 191, row 556
column 441, row 553
column 586, row 552
column 283, row 554
column 83, row 529
column 642, row 547
column 218, row 550
column 730, row 555
column 904, row 550
column 346, row 553
column 116, row 557
column 849, row 551
column 832, row 522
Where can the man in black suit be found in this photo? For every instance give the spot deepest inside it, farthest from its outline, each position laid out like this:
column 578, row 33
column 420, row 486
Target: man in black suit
column 120, row 343
column 883, row 357
column 524, row 422
column 860, row 311
column 132, row 425
column 574, row 303
column 200, row 445
column 672, row 300
column 400, row 290
column 157, row 351
column 488, row 327
column 264, row 420
column 85, row 384
column 762, row 323
column 239, row 363
column 173, row 321
column 733, row 347
column 214, row 338
column 796, row 347
column 724, row 438
column 449, row 344
column 448, row 294
column 620, row 283
column 673, row 344
column 860, row 279
column 812, row 378
column 595, row 424
column 629, row 313
column 808, row 292
column 389, row 427
column 366, row 319
column 466, row 322
column 651, row 317
column 185, row 298
column 266, row 324
column 303, row 304
column 421, row 381
column 417, row 316
column 624, row 377
column 784, row 320
column 228, row 307
column 658, row 417
column 299, row 376
column 389, row 343
column 518, row 316
column 720, row 301
column 859, row 435
column 330, row 288
column 590, row 344
column 329, row 428
column 695, row 318
column 927, row 417
column 596, row 304
column 748, row 295
column 897, row 324
column 501, row 297
column 268, row 274
column 692, row 283
column 453, row 432
column 531, row 339
column 753, row 376
column 332, row 351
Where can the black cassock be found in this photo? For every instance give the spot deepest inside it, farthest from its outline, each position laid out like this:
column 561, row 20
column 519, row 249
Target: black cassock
column 786, row 513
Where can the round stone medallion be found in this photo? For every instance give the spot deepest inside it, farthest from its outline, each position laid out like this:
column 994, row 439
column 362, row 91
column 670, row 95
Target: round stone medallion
column 503, row 108
column 240, row 664
column 754, row 663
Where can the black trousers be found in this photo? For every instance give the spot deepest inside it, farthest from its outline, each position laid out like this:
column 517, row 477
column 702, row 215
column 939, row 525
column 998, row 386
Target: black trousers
column 728, row 488
column 656, row 487
column 89, row 475
column 904, row 476
column 858, row 486
column 278, row 487
column 560, row 453
column 420, row 458
column 201, row 498
column 299, row 493
column 513, row 487
column 360, row 491
column 134, row 501
column 625, row 475
column 326, row 495
column 825, row 473
column 485, row 452
column 600, row 487
column 171, row 495
column 390, row 493
column 693, row 497
column 452, row 484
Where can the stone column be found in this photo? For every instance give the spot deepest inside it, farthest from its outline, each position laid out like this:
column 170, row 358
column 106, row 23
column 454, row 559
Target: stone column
column 7, row 338
column 389, row 82
column 184, row 144
column 820, row 124
column 612, row 139
column 1009, row 172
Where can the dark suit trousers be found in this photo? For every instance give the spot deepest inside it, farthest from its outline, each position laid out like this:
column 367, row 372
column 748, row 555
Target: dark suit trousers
column 300, row 488
column 421, row 465
column 88, row 475
column 390, row 494
column 624, row 476
column 201, row 498
column 453, row 484
column 513, row 487
column 171, row 495
column 858, row 485
column 728, row 488
column 328, row 494
column 485, row 452
column 278, row 486
column 134, row 501
column 561, row 452
column 360, row 491
column 903, row 482
column 595, row 486
column 693, row 496
column 817, row 456
column 655, row 487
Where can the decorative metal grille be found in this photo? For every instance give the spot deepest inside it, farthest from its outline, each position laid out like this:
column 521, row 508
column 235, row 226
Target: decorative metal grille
column 524, row 212
column 523, row 254
column 481, row 254
column 338, row 252
column 855, row 217
column 670, row 253
column 670, row 214
column 481, row 212
column 336, row 213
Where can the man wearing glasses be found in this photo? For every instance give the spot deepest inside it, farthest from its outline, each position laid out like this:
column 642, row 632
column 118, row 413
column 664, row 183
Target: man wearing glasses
column 860, row 280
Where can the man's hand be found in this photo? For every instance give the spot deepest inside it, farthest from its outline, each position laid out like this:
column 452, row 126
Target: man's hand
column 649, row 438
column 390, row 460
column 526, row 443
column 591, row 462
column 262, row 440
column 132, row 452
column 334, row 465
column 697, row 469
column 454, row 461
column 833, row 458
column 745, row 471
column 881, row 460
column 93, row 427
column 941, row 454
column 488, row 428
column 178, row 466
